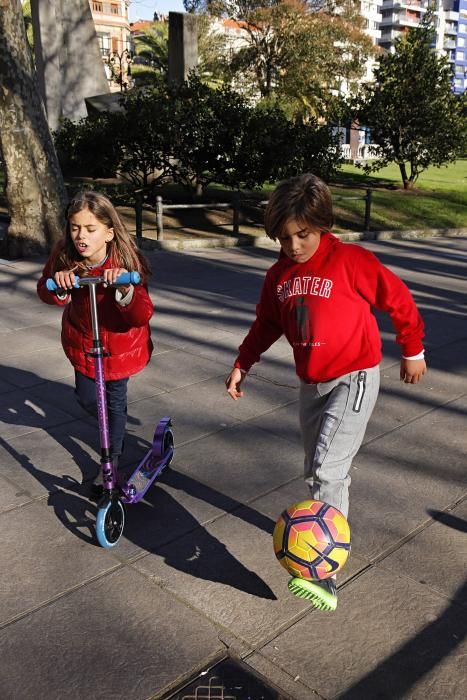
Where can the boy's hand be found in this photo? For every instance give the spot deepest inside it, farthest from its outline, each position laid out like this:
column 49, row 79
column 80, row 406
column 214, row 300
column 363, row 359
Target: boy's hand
column 412, row 370
column 233, row 383
column 65, row 279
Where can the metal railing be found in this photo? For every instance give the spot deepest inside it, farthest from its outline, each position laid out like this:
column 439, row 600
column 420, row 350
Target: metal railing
column 235, row 205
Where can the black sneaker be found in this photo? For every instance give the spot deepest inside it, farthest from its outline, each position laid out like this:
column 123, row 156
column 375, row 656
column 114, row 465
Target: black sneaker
column 322, row 594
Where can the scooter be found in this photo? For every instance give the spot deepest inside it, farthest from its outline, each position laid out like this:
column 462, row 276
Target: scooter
column 110, row 519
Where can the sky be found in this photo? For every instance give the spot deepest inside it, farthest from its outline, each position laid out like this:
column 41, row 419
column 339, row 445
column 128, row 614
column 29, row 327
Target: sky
column 144, row 9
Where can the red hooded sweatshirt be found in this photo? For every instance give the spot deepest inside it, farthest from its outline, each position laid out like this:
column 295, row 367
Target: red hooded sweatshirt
column 124, row 330
column 324, row 308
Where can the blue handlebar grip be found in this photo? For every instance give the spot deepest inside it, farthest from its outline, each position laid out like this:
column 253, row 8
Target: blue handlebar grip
column 129, row 278
column 125, row 278
column 52, row 286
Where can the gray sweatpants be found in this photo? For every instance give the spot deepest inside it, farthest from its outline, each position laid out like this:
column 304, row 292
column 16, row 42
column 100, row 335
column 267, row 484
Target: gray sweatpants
column 333, row 420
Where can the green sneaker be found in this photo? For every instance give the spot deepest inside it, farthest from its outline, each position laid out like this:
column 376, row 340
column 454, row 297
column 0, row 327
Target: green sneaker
column 322, row 594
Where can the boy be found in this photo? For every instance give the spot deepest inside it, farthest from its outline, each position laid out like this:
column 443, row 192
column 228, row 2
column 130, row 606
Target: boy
column 320, row 294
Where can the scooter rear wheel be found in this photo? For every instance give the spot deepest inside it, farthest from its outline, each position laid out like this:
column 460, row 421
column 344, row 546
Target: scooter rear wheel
column 168, row 444
column 110, row 523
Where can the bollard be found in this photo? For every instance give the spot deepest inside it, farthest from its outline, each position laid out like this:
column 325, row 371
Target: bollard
column 139, row 216
column 236, row 216
column 367, row 210
column 159, row 222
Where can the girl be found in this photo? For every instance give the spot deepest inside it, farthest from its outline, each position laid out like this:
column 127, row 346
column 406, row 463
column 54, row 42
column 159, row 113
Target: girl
column 96, row 243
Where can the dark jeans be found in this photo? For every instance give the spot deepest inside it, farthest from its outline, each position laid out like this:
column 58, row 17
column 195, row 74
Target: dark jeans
column 116, row 392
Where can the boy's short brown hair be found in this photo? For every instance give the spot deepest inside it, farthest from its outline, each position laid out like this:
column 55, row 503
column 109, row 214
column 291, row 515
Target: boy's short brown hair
column 305, row 198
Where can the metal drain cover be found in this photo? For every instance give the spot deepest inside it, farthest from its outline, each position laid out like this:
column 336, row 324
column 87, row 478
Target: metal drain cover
column 227, row 680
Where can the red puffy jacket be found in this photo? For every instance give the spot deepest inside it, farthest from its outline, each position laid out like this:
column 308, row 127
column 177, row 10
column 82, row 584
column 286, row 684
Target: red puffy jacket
column 124, row 330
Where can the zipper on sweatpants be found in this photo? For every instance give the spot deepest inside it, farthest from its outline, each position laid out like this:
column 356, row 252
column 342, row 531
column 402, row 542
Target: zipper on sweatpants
column 361, row 384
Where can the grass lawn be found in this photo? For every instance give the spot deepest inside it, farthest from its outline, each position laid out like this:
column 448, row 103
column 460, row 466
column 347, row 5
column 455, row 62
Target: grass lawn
column 439, row 199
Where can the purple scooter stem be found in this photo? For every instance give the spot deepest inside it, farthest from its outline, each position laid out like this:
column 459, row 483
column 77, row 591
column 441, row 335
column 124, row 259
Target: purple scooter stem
column 109, row 476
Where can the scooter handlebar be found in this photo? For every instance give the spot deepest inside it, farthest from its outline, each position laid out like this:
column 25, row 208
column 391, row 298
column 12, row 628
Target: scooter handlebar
column 123, row 279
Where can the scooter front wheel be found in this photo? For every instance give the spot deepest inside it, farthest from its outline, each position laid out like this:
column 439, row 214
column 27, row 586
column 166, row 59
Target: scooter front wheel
column 110, row 523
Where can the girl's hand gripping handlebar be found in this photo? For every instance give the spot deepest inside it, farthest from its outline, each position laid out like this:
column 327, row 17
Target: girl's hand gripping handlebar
column 121, row 281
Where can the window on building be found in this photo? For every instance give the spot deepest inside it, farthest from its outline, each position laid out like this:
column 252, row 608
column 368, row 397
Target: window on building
column 114, row 8
column 104, row 43
column 459, row 55
column 97, row 6
column 460, row 41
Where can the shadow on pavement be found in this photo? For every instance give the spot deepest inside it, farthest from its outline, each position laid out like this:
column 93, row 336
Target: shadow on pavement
column 159, row 524
column 402, row 670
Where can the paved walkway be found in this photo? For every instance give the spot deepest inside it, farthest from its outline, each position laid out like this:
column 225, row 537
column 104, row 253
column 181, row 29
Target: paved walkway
column 194, row 578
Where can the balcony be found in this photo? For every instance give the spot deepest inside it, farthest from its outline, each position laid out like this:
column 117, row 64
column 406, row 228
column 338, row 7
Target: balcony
column 111, row 9
column 420, row 5
column 400, row 20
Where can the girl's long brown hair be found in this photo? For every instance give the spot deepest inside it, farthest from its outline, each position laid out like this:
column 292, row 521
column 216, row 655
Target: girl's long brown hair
column 121, row 250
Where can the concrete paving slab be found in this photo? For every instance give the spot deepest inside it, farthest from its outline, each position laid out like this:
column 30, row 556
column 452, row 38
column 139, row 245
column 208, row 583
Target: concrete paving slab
column 227, row 570
column 282, row 422
column 21, row 413
column 6, row 387
column 391, row 496
column 33, row 367
column 11, row 496
column 121, row 636
column 176, row 369
column 216, row 345
column 221, row 573
column 451, row 357
column 390, row 637
column 442, row 328
column 241, row 462
column 437, row 556
column 46, row 558
column 399, row 403
column 192, row 409
column 41, row 461
column 28, row 314
column 173, row 507
column 276, row 367
column 431, row 447
column 262, row 397
column 14, row 342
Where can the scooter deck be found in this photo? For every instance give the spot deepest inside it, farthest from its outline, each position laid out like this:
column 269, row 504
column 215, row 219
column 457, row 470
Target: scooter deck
column 143, row 476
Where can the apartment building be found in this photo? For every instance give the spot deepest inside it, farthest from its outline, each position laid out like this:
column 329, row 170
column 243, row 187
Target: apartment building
column 113, row 32
column 459, row 52
column 398, row 16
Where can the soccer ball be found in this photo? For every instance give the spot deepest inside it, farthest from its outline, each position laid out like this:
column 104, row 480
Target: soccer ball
column 312, row 540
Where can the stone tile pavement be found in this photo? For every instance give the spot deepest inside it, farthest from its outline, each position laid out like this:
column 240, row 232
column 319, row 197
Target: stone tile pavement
column 194, row 579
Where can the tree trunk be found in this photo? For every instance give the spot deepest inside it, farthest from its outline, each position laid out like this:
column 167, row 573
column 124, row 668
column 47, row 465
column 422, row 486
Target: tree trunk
column 35, row 190
column 405, row 177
